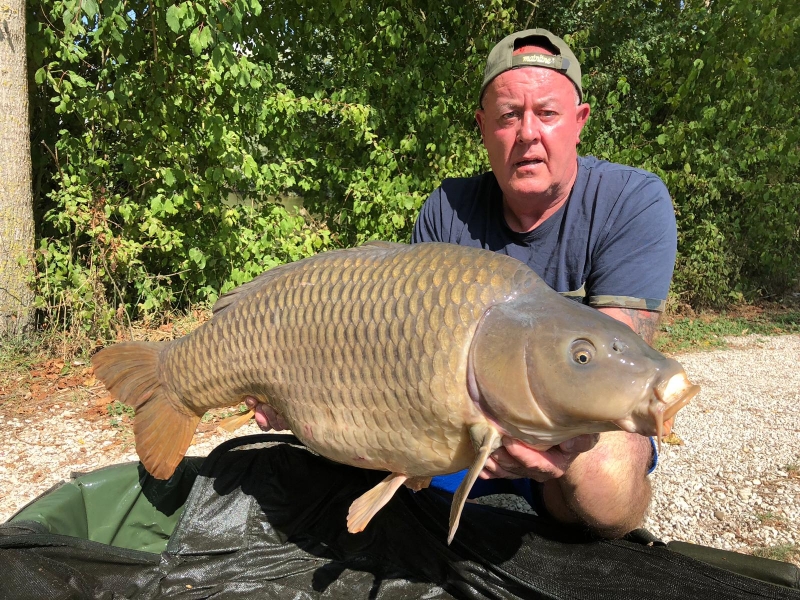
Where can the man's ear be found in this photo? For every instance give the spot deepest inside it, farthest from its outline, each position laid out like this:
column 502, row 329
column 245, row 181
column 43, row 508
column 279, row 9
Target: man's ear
column 480, row 118
column 581, row 116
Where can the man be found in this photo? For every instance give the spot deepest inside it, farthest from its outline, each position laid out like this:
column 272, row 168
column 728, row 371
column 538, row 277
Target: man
column 599, row 232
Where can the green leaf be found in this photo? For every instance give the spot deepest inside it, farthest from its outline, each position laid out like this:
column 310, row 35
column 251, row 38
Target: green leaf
column 198, row 257
column 77, row 80
column 174, row 15
column 206, row 36
column 89, row 7
column 200, row 38
column 195, row 43
column 169, row 177
column 68, row 16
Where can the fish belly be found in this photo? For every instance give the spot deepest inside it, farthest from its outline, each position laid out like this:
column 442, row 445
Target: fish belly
column 364, row 352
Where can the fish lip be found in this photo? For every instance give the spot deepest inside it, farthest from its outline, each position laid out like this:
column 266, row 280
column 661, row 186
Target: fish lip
column 663, row 410
column 660, row 407
column 684, row 397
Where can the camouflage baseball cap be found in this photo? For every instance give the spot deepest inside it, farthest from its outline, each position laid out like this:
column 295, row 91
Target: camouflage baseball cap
column 502, row 57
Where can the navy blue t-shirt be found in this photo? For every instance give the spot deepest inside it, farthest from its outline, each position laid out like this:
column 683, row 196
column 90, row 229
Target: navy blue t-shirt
column 613, row 243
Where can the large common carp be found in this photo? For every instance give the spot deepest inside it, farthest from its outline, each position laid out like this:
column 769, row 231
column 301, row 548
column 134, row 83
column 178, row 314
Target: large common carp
column 408, row 359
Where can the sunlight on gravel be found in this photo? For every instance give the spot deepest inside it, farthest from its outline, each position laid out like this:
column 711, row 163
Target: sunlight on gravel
column 734, row 483
column 39, row 452
column 731, row 478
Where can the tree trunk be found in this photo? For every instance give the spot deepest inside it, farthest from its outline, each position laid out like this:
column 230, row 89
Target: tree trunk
column 16, row 201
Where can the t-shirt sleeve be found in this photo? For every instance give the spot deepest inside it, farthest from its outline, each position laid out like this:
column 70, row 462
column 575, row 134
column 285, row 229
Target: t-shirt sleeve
column 633, row 262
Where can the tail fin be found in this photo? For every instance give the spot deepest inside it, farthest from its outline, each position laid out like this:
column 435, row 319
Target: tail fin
column 163, row 425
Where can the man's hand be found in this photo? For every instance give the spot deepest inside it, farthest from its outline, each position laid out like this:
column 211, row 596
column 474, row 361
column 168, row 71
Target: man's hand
column 515, row 460
column 266, row 418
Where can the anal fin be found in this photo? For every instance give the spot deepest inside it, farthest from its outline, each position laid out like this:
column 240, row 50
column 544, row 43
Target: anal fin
column 417, row 483
column 231, row 424
column 367, row 505
column 486, row 440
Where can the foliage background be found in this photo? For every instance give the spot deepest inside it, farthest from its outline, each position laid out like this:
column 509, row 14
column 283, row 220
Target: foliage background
column 173, row 141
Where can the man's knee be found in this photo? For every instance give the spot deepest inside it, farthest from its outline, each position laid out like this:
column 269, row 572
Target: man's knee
column 624, row 456
column 607, row 487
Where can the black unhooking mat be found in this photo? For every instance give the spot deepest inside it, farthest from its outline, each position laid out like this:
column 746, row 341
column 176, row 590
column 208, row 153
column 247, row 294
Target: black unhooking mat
column 265, row 518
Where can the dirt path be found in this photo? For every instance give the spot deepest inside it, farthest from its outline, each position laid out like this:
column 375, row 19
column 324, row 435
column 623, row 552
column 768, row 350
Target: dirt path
column 731, row 478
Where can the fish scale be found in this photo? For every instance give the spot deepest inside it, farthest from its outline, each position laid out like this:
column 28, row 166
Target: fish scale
column 303, row 301
column 409, row 359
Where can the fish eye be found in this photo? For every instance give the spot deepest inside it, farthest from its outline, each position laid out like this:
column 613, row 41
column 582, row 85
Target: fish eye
column 582, row 351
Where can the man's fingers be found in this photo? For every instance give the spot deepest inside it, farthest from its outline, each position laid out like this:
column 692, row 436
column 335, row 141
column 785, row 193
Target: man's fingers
column 261, row 419
column 514, row 461
column 581, row 443
column 275, row 420
column 552, row 462
column 266, row 418
column 501, row 459
column 493, row 470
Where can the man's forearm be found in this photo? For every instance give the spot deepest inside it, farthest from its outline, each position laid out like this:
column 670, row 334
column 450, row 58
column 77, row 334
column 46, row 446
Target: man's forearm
column 643, row 322
column 605, row 489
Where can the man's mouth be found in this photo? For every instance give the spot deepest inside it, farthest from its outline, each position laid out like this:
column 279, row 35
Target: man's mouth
column 528, row 162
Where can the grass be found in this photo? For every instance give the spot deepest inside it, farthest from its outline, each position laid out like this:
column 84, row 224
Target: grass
column 219, row 414
column 771, row 519
column 118, row 409
column 708, row 331
column 20, row 354
column 783, row 552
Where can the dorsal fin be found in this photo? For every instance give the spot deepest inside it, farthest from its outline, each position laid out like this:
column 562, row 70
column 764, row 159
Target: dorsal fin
column 243, row 290
column 229, row 298
column 382, row 244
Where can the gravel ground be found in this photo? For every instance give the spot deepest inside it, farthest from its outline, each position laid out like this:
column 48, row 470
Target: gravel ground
column 734, row 483
column 730, row 479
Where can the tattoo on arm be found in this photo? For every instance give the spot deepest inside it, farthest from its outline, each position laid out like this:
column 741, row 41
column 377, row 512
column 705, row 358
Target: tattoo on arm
column 643, row 322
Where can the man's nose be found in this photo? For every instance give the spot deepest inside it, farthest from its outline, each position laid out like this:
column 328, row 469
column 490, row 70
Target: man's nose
column 528, row 131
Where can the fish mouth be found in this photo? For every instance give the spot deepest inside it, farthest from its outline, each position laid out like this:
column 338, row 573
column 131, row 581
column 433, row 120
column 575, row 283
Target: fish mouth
column 665, row 401
column 676, row 394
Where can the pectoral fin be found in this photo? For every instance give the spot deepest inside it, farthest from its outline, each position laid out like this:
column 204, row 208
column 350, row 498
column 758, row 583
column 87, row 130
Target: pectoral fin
column 486, row 440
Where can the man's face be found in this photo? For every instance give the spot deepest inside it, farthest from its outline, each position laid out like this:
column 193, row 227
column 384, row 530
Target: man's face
column 531, row 126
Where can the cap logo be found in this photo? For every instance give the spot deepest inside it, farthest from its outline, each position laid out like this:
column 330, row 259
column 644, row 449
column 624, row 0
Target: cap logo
column 549, row 61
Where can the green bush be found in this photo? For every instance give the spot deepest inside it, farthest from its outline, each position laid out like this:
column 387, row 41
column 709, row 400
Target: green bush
column 182, row 148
